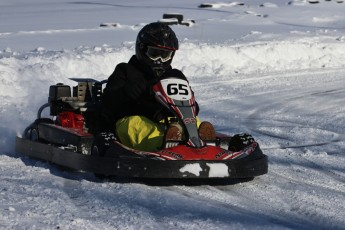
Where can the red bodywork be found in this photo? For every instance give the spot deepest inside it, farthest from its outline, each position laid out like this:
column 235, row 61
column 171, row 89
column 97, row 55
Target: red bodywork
column 209, row 152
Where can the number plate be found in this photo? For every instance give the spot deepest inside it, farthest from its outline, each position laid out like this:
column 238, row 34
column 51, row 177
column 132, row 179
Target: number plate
column 177, row 89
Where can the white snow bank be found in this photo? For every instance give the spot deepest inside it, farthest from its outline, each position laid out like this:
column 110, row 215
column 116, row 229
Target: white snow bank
column 225, row 60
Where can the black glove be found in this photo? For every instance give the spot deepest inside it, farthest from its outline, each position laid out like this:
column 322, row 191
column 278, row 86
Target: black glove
column 239, row 141
column 135, row 87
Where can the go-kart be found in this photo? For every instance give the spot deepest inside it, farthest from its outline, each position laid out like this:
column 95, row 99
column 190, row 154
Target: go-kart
column 68, row 138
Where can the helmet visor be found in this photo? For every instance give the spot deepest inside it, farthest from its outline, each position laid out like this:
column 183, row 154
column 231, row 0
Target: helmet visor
column 156, row 53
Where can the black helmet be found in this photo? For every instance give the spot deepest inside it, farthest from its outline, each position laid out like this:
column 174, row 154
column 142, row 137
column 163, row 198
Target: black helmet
column 155, row 46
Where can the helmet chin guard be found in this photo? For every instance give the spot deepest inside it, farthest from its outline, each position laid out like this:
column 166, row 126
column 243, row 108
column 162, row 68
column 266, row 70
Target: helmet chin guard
column 158, row 71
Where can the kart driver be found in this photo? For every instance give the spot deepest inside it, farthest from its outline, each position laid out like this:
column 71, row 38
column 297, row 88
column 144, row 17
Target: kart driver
column 128, row 102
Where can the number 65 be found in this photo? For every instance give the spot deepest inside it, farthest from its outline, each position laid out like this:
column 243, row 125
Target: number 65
column 177, row 89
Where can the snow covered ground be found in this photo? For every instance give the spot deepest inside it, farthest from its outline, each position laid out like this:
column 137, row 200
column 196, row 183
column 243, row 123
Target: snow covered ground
column 272, row 68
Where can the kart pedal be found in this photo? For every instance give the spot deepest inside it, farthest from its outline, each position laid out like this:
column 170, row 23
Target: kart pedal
column 207, row 131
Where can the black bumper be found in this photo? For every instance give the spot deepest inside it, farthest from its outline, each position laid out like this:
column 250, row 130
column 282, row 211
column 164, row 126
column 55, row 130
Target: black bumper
column 126, row 165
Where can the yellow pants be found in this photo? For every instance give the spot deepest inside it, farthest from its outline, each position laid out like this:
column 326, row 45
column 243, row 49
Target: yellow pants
column 139, row 132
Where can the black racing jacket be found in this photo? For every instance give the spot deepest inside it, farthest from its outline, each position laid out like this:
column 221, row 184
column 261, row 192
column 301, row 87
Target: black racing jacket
column 115, row 102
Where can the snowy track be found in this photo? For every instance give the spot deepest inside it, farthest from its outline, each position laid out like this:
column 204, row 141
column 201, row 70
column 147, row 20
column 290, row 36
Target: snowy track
column 304, row 187
column 273, row 69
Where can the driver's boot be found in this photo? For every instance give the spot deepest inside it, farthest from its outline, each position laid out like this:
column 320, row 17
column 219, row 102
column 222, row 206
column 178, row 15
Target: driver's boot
column 174, row 132
column 207, row 131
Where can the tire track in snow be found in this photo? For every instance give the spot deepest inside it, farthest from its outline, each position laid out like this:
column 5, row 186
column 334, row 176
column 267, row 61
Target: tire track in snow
column 244, row 203
column 304, row 194
column 279, row 112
